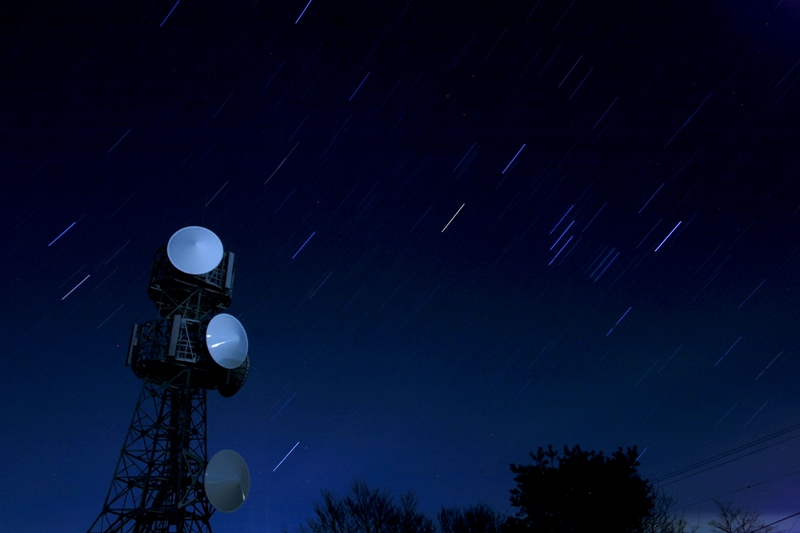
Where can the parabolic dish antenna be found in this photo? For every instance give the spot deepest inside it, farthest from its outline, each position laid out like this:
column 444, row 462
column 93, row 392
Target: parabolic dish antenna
column 194, row 250
column 227, row 481
column 226, row 341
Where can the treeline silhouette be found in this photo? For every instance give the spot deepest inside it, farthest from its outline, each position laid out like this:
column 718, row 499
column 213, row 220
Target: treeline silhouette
column 572, row 491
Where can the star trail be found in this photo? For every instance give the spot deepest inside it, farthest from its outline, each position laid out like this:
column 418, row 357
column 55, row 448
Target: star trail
column 549, row 222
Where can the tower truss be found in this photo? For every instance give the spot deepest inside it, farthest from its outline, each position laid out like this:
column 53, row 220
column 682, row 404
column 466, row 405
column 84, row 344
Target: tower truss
column 157, row 486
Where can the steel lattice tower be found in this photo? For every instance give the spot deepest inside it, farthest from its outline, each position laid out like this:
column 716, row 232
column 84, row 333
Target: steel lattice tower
column 158, row 484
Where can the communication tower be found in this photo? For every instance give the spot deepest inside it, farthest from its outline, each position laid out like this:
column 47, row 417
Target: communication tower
column 163, row 481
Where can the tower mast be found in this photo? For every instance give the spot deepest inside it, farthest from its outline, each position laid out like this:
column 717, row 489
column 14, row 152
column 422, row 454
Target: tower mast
column 162, row 475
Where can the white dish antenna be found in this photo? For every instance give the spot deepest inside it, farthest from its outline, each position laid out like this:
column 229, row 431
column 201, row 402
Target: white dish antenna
column 226, row 481
column 195, row 250
column 226, row 341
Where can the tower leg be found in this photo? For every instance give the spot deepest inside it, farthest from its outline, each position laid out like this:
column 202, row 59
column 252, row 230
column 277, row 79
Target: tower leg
column 158, row 482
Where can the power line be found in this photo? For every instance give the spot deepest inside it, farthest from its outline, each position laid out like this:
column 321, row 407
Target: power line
column 753, row 485
column 776, row 521
column 731, row 460
column 733, row 451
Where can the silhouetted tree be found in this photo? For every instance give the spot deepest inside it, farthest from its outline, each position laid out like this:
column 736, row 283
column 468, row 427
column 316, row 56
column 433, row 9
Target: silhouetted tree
column 736, row 520
column 366, row 510
column 580, row 492
column 476, row 519
column 663, row 520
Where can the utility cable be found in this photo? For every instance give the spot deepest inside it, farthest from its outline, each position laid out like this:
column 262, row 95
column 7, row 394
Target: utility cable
column 737, row 490
column 733, row 451
column 729, row 460
column 776, row 521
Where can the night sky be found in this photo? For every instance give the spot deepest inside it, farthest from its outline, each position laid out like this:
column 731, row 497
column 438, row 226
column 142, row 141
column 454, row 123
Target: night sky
column 463, row 230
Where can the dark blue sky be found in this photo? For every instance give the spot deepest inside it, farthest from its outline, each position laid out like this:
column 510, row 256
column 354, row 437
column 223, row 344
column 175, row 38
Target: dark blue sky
column 621, row 268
